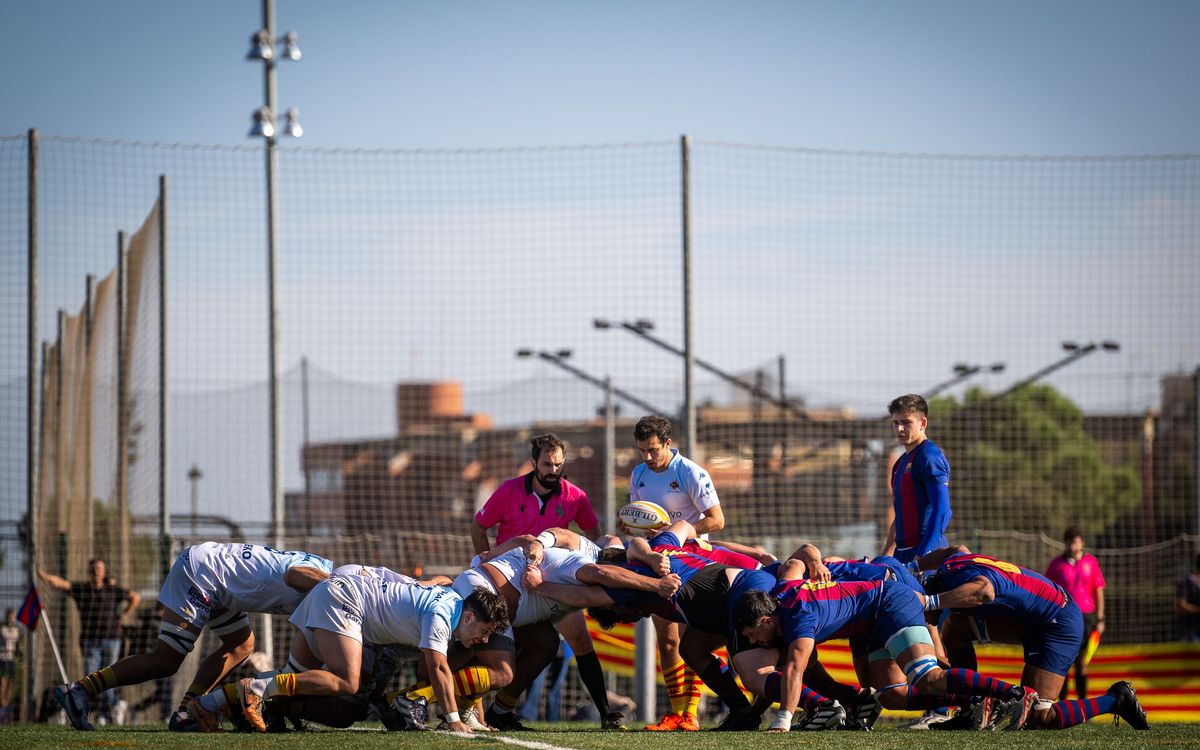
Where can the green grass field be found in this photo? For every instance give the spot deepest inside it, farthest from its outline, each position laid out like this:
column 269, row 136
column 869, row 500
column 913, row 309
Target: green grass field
column 1097, row 734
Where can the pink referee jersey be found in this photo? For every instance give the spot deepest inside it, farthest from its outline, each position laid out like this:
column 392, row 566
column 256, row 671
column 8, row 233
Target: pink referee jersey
column 517, row 509
column 1081, row 579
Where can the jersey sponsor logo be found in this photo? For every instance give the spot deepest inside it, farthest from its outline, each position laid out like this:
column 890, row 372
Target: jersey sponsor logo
column 559, row 510
column 198, row 598
column 351, row 615
column 675, row 485
column 439, row 633
column 641, row 484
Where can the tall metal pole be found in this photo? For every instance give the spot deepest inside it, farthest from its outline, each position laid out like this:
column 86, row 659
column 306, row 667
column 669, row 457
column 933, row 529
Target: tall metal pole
column 164, row 506
column 689, row 354
column 276, row 482
column 123, row 415
column 88, row 515
column 610, row 458
column 304, row 414
column 645, row 671
column 32, row 389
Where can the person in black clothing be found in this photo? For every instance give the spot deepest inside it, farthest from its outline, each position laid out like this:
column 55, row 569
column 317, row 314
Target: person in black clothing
column 1187, row 605
column 102, row 606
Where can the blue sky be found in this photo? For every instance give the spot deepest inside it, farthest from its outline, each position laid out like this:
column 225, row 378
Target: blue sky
column 1013, row 77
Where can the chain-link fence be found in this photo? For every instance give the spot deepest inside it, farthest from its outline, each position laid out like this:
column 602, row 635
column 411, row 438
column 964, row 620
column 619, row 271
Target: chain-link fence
column 437, row 308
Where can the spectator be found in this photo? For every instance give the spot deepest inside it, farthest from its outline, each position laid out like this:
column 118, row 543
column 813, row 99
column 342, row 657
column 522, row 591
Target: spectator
column 10, row 638
column 1079, row 575
column 1187, row 605
column 102, row 606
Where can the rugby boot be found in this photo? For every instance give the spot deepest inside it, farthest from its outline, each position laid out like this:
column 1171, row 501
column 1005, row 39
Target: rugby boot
column 252, row 705
column 613, row 720
column 826, row 715
column 74, row 700
column 506, row 722
column 207, row 721
column 1127, row 707
column 744, row 720
column 1015, row 711
column 182, row 721
column 668, row 723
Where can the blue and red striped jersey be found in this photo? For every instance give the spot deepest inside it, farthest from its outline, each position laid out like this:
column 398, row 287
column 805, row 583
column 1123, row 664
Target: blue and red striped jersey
column 1022, row 594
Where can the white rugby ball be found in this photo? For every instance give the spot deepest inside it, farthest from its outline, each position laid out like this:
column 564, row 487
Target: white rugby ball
column 644, row 516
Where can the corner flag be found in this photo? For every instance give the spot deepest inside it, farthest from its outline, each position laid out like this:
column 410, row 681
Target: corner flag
column 31, row 609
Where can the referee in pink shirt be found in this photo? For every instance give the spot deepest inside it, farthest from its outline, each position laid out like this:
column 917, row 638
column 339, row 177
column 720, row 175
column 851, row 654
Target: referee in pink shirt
column 534, row 502
column 1079, row 575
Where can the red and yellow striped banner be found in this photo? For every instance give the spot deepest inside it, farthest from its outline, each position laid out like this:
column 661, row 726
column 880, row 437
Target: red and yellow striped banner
column 1166, row 675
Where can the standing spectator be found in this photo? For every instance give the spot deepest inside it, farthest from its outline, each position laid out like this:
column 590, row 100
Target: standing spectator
column 685, row 490
column 1187, row 604
column 534, row 502
column 102, row 606
column 1079, row 575
column 10, row 638
column 920, row 484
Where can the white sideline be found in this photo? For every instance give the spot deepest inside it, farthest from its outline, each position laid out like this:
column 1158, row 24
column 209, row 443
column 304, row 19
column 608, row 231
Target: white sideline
column 489, row 736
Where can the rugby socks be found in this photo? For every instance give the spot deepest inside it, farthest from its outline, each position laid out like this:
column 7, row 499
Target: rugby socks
column 1071, row 713
column 719, row 679
column 844, row 694
column 915, row 701
column 592, row 676
column 471, row 681
column 773, row 691
column 223, row 697
column 969, row 682
column 683, row 688
column 269, row 687
column 98, row 682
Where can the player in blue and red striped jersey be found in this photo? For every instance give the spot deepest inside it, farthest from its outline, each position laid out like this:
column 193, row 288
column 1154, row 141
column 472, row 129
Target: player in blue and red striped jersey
column 997, row 600
column 702, row 603
column 786, row 624
column 920, row 484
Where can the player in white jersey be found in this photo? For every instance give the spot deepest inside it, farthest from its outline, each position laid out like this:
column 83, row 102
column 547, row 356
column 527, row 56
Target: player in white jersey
column 344, row 612
column 534, row 619
column 210, row 585
column 685, row 490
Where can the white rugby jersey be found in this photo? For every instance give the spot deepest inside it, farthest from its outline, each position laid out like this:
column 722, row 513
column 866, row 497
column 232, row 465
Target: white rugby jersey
column 558, row 566
column 372, row 571
column 396, row 612
column 684, row 489
column 249, row 577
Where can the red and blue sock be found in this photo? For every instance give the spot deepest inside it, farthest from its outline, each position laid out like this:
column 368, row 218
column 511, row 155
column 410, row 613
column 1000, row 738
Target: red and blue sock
column 1071, row 713
column 970, row 682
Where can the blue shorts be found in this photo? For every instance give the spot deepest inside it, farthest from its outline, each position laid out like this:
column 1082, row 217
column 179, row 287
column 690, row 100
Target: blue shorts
column 908, row 554
column 1052, row 647
column 898, row 608
column 901, row 572
column 772, row 569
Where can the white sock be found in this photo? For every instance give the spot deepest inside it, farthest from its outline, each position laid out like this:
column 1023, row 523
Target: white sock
column 264, row 688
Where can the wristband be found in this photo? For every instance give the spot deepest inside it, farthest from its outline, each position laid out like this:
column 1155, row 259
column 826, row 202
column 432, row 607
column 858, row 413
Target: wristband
column 547, row 539
column 452, row 717
column 783, row 720
column 932, row 602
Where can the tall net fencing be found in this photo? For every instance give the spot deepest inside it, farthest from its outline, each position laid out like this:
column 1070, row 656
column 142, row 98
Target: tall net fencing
column 439, row 308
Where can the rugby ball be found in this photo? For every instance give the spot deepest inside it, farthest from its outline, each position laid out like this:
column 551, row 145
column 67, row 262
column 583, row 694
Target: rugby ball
column 644, row 516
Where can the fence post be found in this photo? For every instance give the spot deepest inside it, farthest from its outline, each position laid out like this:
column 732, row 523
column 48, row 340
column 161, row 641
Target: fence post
column 689, row 353
column 32, row 390
column 164, row 506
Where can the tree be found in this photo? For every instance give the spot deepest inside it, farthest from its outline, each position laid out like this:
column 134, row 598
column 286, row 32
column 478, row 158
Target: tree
column 1023, row 462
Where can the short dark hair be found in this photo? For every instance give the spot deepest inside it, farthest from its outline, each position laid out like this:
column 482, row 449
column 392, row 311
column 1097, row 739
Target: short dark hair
column 909, row 402
column 488, row 607
column 612, row 556
column 95, row 560
column 1070, row 534
column 609, row 617
column 652, row 426
column 549, row 441
column 751, row 607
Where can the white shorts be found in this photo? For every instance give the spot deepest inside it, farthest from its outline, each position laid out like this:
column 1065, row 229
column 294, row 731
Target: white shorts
column 186, row 593
column 332, row 606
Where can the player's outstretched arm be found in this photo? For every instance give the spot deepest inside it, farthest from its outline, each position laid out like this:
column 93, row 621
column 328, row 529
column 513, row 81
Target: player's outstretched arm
column 810, row 556
column 442, row 680
column 792, row 684
column 766, row 558
column 617, row 577
column 303, row 577
column 579, row 597
column 975, row 592
column 934, row 559
column 521, row 540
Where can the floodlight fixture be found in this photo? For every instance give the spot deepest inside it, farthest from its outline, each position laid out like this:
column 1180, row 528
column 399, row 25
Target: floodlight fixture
column 261, row 48
column 291, row 47
column 293, row 127
column 264, row 123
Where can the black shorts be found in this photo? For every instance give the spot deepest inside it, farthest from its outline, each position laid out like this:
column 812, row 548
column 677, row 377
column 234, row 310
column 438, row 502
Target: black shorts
column 704, row 600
